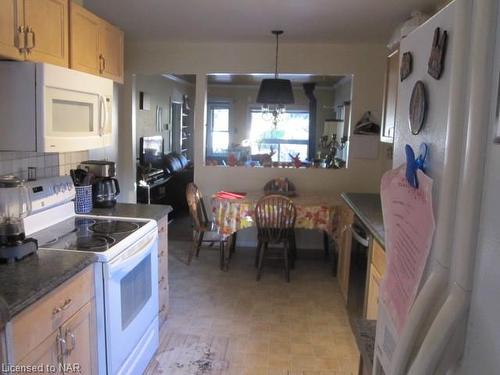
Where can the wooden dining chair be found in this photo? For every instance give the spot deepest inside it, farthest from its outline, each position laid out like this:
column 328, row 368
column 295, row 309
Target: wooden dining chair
column 204, row 230
column 275, row 219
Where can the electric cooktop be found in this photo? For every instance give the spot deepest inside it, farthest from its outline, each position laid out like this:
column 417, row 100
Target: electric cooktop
column 86, row 234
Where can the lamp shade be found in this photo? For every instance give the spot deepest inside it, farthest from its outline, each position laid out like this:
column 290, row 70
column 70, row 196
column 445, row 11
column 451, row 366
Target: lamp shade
column 275, row 91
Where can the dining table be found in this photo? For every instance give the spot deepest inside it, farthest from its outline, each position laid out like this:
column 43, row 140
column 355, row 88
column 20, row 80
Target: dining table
column 232, row 212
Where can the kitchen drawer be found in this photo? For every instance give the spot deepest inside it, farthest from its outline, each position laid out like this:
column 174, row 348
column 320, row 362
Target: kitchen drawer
column 378, row 257
column 36, row 323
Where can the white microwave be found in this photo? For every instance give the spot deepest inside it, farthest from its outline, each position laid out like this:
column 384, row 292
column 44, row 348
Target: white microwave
column 47, row 108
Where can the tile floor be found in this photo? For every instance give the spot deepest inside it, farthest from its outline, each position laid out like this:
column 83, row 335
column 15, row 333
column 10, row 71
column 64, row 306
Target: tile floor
column 227, row 323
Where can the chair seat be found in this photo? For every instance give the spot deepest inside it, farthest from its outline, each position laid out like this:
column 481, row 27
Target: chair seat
column 209, row 227
column 212, row 236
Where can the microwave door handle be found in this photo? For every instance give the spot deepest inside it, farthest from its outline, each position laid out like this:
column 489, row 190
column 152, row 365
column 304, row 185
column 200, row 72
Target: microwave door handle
column 105, row 107
column 102, row 114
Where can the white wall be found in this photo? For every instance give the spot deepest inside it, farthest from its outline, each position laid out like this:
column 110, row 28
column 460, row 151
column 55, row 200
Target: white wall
column 365, row 62
column 161, row 91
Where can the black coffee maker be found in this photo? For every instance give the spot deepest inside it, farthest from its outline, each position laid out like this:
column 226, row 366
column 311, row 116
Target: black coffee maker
column 105, row 187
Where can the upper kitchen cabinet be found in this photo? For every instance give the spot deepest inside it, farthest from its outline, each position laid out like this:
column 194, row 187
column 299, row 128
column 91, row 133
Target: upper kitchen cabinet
column 34, row 30
column 96, row 45
column 46, row 31
column 111, row 46
column 11, row 29
column 390, row 98
column 84, row 40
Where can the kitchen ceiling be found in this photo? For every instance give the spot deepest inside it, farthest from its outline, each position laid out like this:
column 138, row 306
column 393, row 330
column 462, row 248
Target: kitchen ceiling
column 251, row 20
column 255, row 79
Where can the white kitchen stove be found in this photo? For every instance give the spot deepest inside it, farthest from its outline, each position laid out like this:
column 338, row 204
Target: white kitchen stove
column 126, row 275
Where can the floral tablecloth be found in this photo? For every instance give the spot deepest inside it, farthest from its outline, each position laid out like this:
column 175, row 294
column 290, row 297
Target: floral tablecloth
column 314, row 211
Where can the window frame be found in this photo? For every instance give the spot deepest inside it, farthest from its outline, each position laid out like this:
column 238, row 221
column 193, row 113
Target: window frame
column 278, row 141
column 211, row 106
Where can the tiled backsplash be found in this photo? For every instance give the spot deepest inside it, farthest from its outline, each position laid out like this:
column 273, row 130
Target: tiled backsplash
column 46, row 164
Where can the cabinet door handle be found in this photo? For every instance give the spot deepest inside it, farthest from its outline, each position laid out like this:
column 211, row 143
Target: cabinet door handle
column 72, row 339
column 21, row 39
column 61, row 348
column 102, row 63
column 30, row 39
column 64, row 306
column 101, row 59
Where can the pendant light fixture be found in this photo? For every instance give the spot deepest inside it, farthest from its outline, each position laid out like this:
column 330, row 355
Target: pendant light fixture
column 275, row 93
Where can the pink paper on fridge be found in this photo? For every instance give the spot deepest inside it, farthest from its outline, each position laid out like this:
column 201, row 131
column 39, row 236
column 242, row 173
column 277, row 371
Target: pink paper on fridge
column 409, row 227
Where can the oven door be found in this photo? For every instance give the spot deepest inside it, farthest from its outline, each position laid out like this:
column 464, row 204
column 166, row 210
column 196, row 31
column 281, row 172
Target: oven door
column 131, row 298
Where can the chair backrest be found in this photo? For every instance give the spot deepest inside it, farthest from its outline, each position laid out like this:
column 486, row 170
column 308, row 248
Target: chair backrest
column 275, row 218
column 196, row 206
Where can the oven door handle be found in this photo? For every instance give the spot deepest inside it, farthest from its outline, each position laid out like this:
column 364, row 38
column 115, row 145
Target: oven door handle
column 127, row 261
column 358, row 237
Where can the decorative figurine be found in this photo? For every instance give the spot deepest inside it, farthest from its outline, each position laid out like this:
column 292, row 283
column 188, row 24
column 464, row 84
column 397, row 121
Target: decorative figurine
column 296, row 160
column 418, row 108
column 438, row 51
column 406, row 66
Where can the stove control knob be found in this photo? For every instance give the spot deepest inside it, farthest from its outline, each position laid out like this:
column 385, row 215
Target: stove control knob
column 69, row 186
column 56, row 189
column 63, row 188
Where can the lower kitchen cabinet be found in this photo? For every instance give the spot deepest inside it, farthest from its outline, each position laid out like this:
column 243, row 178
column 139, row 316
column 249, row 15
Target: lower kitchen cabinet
column 80, row 341
column 344, row 246
column 373, row 293
column 163, row 288
column 376, row 273
column 47, row 354
column 59, row 331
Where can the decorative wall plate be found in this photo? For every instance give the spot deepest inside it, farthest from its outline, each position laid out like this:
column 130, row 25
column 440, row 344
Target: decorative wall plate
column 406, row 66
column 438, row 51
column 418, row 108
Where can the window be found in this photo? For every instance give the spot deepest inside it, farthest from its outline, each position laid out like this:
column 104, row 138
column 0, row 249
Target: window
column 218, row 128
column 291, row 135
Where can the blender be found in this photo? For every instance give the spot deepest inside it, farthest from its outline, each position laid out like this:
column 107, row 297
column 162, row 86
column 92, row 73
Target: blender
column 15, row 205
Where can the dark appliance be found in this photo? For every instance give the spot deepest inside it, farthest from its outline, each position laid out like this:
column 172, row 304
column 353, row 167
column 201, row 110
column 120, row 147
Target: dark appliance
column 358, row 268
column 99, row 168
column 15, row 205
column 151, row 151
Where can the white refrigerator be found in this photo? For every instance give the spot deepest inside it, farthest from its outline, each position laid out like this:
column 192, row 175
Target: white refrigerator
column 459, row 129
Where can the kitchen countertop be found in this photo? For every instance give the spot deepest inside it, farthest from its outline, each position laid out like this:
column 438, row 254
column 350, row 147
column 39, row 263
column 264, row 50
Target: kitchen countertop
column 368, row 208
column 141, row 211
column 24, row 282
